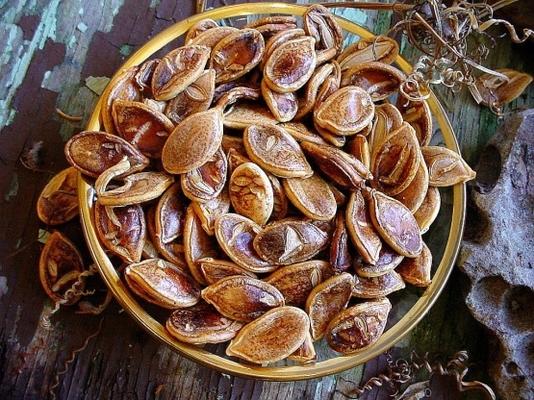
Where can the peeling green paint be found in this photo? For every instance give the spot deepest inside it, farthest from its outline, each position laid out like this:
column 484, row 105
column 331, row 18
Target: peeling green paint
column 126, row 50
column 97, row 84
column 13, row 188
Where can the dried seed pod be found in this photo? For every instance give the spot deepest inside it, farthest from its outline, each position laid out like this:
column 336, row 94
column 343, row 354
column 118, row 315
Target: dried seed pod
column 155, row 105
column 395, row 224
column 346, row 111
column 445, row 167
column 340, row 257
column 235, row 159
column 143, row 77
column 378, row 286
column 214, row 270
column 414, row 195
column 272, row 337
column 92, row 153
column 429, row 209
column 270, row 26
column 211, row 37
column 275, row 150
column 124, row 87
column 58, row 201
column 201, row 324
column 359, row 148
column 245, row 114
column 396, row 162
column 122, row 230
column 172, row 251
column 169, row 217
column 329, row 137
column 193, row 142
column 320, row 24
column 178, row 69
column 197, row 244
column 358, row 327
column 208, row 211
column 242, row 298
column 207, row 181
column 379, row 48
column 290, row 241
column 277, row 39
column 330, row 85
column 235, row 235
column 301, row 133
column 200, row 27
column 342, row 168
column 341, row 198
column 419, row 116
column 142, row 126
column 312, row 196
column 284, row 106
column 296, row 281
column 327, row 300
column 309, row 98
column 361, row 230
column 236, row 54
column 280, row 203
column 416, row 271
column 195, row 98
column 494, row 91
column 251, row 193
column 387, row 119
column 236, row 94
column 306, row 351
column 162, row 283
column 378, row 79
column 300, row 55
column 388, row 260
column 60, row 265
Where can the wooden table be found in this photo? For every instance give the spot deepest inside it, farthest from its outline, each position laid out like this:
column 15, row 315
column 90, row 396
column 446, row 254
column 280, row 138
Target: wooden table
column 52, row 52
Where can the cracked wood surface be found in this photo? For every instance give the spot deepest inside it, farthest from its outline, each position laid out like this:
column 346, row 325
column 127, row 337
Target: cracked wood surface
column 54, row 54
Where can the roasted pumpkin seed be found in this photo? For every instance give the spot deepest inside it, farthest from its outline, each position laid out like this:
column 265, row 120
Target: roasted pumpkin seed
column 429, row 209
column 380, row 48
column 378, row 286
column 58, row 201
column 416, row 271
column 311, row 196
column 214, row 270
column 340, row 257
column 320, row 24
column 445, row 167
column 284, row 106
column 378, row 79
column 210, row 210
column 169, row 217
column 207, row 181
column 388, row 260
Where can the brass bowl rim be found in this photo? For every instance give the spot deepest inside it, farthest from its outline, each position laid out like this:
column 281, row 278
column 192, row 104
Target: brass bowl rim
column 282, row 373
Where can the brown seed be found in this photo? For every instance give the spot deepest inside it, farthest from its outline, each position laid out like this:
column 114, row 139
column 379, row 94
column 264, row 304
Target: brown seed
column 197, row 244
column 201, row 26
column 340, row 257
column 312, row 196
column 236, row 94
column 214, row 270
column 309, row 98
column 142, row 126
column 341, row 198
column 149, row 250
column 178, row 69
column 320, row 24
column 359, row 148
column 275, row 150
column 270, row 26
column 143, row 77
column 358, row 327
column 280, row 202
column 395, row 224
column 387, row 119
column 211, row 37
column 284, row 106
column 58, row 202
column 60, row 265
column 92, row 153
column 162, row 283
column 494, row 91
column 378, row 286
column 172, row 251
column 123, row 88
column 296, row 281
column 379, row 48
column 210, row 210
column 346, row 111
column 233, row 142
column 429, row 209
column 416, row 271
column 419, row 116
column 378, row 79
column 342, row 168
column 242, row 298
column 251, row 193
column 414, row 195
column 327, row 300
column 207, row 181
column 245, row 114
column 396, row 162
column 329, row 137
column 301, row 133
column 388, row 260
column 170, row 215
column 122, row 230
column 445, row 167
column 236, row 54
column 195, row 98
column 291, row 65
column 235, row 234
column 290, row 241
column 272, row 337
column 277, row 39
column 201, row 324
column 361, row 230
column 305, row 353
column 193, row 142
column 329, row 86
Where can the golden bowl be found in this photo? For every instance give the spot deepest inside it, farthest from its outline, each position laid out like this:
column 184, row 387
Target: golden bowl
column 454, row 220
